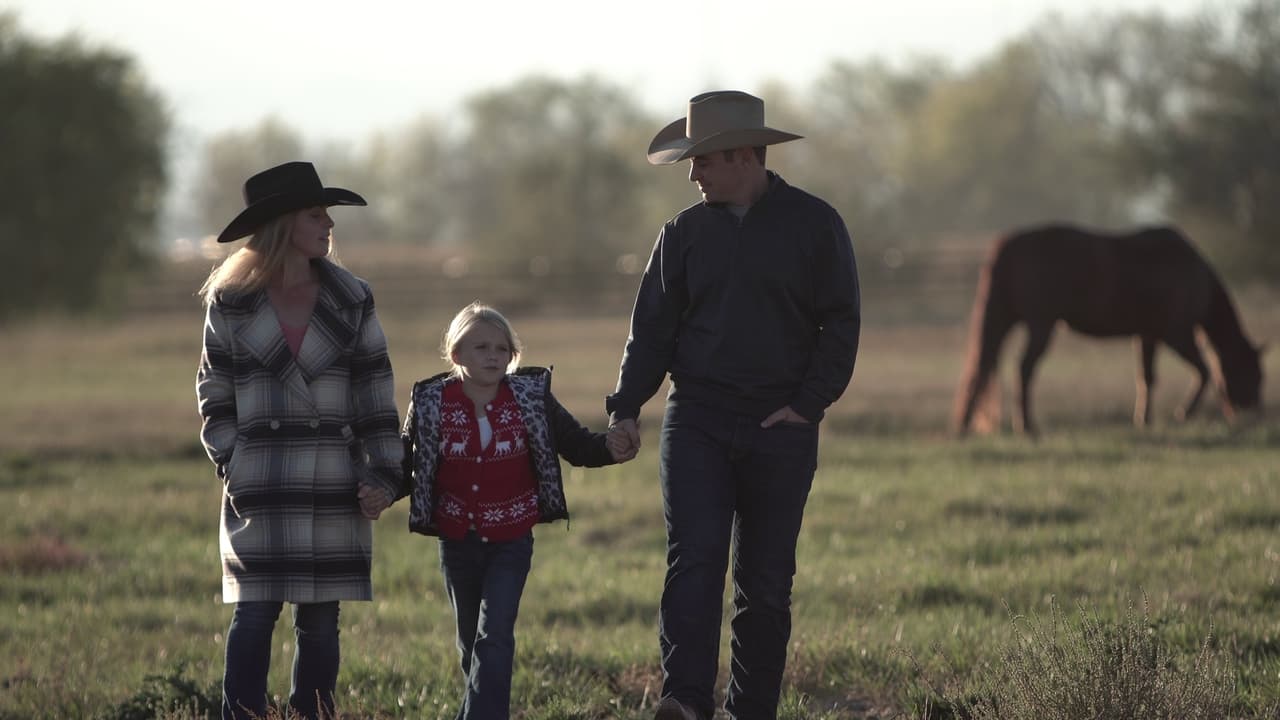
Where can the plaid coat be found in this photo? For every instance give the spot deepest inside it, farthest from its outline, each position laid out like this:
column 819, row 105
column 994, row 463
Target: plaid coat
column 277, row 428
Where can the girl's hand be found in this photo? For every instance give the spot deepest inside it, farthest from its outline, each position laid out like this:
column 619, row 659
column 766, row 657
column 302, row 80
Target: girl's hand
column 623, row 440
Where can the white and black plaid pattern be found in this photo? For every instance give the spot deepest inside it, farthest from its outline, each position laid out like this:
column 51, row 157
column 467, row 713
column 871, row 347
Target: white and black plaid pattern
column 273, row 426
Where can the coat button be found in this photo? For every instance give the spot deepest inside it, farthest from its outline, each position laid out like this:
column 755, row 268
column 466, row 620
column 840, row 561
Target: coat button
column 314, row 423
column 275, row 424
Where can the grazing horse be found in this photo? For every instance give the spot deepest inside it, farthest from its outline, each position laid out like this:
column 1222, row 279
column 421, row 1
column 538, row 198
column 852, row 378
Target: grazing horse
column 1151, row 284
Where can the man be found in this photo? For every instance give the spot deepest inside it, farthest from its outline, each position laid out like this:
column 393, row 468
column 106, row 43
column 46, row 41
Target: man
column 750, row 301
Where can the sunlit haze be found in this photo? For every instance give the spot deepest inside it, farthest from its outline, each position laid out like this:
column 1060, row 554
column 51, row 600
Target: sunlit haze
column 342, row 70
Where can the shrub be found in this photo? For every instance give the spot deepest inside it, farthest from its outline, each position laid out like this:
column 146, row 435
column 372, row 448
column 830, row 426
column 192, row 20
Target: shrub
column 1107, row 671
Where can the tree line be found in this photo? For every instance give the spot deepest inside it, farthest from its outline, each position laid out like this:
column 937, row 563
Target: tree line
column 1107, row 121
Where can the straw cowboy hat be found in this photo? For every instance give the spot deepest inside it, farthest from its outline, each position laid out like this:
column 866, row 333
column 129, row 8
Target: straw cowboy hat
column 282, row 189
column 719, row 120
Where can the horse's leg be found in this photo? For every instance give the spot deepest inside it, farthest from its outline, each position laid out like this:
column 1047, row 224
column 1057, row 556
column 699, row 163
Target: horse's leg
column 1146, row 352
column 1038, row 336
column 1184, row 343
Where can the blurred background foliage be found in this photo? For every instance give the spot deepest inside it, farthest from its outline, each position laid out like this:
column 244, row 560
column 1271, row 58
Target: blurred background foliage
column 1109, row 121
column 82, row 171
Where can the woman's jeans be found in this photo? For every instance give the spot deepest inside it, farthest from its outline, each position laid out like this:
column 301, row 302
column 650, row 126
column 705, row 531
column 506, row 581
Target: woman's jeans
column 315, row 659
column 723, row 477
column 485, row 581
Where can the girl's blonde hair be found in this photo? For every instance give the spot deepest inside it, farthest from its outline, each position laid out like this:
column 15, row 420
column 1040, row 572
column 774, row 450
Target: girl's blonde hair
column 251, row 267
column 467, row 317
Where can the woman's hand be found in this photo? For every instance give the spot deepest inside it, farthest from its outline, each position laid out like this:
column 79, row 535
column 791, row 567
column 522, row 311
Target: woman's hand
column 373, row 500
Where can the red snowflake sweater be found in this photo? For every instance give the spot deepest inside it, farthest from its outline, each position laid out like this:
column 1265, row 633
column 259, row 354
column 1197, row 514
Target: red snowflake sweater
column 491, row 489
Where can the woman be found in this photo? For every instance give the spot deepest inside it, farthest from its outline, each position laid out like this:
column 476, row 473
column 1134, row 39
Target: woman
column 296, row 394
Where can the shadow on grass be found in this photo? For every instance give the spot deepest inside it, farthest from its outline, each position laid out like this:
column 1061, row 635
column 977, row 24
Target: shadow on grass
column 602, row 612
column 1014, row 515
column 991, row 551
column 933, row 595
column 1255, row 519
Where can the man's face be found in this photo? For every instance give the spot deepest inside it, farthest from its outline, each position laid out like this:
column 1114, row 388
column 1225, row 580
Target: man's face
column 722, row 180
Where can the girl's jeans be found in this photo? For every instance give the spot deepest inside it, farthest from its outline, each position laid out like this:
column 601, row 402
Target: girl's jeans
column 485, row 581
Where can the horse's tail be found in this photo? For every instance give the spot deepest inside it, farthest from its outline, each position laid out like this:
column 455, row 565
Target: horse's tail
column 977, row 400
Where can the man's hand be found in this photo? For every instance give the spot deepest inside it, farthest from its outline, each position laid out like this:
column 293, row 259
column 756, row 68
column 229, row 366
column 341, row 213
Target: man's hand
column 373, row 500
column 786, row 414
column 624, row 439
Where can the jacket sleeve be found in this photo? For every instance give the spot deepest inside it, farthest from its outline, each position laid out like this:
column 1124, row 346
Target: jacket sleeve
column 215, row 390
column 655, row 322
column 409, row 443
column 573, row 442
column 376, row 421
column 838, row 304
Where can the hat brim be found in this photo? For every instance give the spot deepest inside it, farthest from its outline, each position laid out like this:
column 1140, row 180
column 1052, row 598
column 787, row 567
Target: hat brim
column 273, row 206
column 671, row 145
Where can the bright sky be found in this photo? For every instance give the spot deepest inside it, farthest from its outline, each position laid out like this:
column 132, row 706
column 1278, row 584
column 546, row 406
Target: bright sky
column 338, row 69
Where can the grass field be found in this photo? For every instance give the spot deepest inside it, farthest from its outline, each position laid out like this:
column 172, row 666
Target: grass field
column 918, row 550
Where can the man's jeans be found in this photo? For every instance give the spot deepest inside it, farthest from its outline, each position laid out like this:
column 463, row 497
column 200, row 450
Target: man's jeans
column 485, row 581
column 724, row 476
column 315, row 659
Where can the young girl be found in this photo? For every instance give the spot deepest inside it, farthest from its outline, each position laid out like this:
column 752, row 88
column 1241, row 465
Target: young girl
column 482, row 448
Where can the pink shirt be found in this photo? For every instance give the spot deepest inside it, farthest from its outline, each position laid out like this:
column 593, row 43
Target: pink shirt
column 293, row 335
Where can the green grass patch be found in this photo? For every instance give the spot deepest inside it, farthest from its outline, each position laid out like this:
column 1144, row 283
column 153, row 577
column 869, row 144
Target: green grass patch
column 917, row 550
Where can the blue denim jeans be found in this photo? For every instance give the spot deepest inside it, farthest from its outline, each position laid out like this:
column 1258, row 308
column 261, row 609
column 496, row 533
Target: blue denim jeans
column 315, row 659
column 485, row 581
column 724, row 478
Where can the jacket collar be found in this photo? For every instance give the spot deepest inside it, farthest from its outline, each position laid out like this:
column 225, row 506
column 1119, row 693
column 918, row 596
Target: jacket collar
column 330, row 332
column 774, row 182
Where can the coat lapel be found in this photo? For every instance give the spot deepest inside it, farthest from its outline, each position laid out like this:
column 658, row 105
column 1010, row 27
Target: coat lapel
column 260, row 334
column 332, row 329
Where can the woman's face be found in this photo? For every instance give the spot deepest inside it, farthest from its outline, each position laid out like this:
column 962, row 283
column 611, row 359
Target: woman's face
column 310, row 235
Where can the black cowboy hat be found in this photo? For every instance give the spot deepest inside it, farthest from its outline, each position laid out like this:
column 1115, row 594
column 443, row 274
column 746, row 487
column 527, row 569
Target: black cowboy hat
column 282, row 189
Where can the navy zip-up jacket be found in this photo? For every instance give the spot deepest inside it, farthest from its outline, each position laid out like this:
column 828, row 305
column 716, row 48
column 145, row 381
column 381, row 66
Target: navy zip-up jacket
column 751, row 315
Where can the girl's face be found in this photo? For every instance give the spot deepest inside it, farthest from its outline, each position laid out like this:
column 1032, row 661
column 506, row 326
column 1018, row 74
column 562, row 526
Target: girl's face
column 310, row 233
column 482, row 355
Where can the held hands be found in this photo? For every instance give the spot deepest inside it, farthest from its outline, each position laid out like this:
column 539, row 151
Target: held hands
column 624, row 440
column 786, row 414
column 373, row 500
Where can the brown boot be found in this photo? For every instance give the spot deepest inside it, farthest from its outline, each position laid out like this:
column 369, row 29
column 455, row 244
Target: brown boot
column 672, row 709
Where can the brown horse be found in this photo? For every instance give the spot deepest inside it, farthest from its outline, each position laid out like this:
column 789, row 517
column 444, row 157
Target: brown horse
column 1151, row 284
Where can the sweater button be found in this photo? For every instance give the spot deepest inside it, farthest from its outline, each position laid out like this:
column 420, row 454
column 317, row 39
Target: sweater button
column 471, row 516
column 478, row 460
column 475, row 488
column 484, row 538
column 489, row 406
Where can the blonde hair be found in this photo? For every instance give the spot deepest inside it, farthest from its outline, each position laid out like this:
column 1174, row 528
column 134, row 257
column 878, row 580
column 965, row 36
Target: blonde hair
column 251, row 267
column 467, row 317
